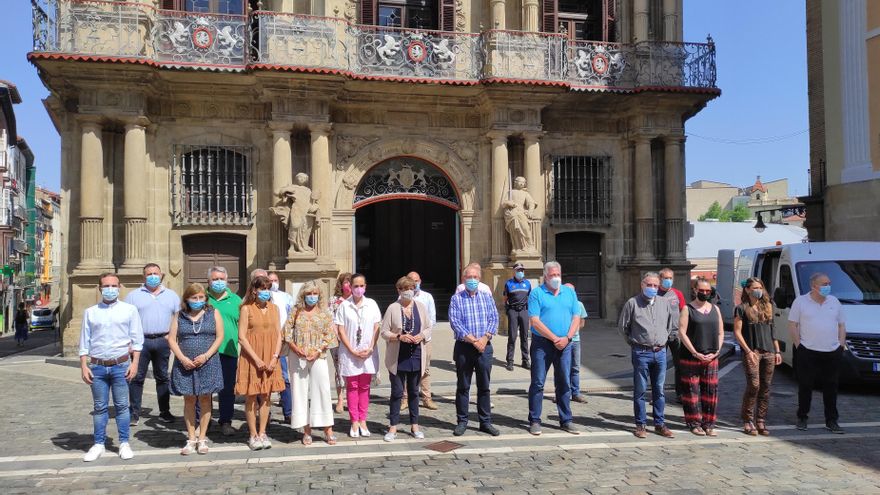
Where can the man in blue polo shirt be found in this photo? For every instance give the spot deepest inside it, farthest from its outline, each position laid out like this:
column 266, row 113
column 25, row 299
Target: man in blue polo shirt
column 555, row 317
column 516, row 304
column 156, row 305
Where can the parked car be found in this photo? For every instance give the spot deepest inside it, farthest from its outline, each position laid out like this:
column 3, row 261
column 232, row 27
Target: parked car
column 42, row 318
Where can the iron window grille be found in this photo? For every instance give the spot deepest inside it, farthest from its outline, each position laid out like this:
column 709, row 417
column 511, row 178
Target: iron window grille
column 211, row 185
column 582, row 190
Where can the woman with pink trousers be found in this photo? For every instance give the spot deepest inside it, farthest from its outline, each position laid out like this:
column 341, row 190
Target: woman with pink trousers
column 357, row 322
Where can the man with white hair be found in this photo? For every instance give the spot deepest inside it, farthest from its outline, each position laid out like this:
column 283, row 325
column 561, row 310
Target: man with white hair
column 555, row 318
column 818, row 332
column 474, row 321
column 647, row 326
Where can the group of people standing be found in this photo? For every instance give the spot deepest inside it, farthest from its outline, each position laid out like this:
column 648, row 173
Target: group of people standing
column 268, row 342
column 659, row 320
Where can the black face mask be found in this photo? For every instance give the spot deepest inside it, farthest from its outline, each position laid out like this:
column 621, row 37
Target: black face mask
column 703, row 296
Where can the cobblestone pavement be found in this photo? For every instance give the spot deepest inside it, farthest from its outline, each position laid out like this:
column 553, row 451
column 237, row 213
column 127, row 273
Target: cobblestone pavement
column 46, row 430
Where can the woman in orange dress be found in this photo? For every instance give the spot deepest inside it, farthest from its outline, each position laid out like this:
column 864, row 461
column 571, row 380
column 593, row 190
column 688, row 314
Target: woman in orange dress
column 259, row 335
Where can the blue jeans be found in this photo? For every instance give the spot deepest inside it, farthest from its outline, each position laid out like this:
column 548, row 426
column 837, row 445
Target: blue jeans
column 105, row 379
column 648, row 364
column 158, row 352
column 543, row 354
column 286, row 397
column 226, row 397
column 575, row 378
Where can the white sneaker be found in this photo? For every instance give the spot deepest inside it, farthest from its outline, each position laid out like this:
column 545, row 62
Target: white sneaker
column 94, row 453
column 125, row 452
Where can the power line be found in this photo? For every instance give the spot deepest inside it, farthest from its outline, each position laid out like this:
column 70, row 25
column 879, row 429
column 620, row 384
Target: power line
column 749, row 141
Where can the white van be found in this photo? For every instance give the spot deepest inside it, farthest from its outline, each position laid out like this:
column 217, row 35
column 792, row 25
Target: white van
column 854, row 269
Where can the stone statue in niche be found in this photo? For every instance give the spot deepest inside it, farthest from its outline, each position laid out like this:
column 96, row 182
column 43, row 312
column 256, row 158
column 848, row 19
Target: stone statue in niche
column 519, row 210
column 298, row 211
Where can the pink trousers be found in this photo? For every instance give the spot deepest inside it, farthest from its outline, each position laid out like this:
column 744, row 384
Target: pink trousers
column 357, row 390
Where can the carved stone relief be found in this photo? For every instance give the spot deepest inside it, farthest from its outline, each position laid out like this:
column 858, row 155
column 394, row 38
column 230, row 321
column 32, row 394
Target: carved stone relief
column 348, row 146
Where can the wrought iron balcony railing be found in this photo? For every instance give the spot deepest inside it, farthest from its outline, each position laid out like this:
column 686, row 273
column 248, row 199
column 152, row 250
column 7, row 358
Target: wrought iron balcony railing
column 133, row 31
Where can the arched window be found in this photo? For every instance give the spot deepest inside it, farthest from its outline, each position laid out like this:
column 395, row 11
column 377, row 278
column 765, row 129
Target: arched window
column 211, row 185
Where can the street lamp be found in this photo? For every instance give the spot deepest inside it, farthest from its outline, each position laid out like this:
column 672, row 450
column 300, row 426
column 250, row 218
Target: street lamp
column 759, row 225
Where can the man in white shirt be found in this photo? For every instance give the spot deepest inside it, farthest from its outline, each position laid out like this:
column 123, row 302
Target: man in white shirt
column 428, row 300
column 110, row 345
column 284, row 303
column 818, row 332
column 481, row 287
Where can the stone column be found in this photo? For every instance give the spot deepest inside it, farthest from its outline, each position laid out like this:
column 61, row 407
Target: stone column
column 531, row 16
column 92, row 191
column 321, row 183
column 673, row 192
column 643, row 199
column 500, row 184
column 640, row 21
column 533, row 175
column 134, row 194
column 282, row 175
column 498, row 14
column 670, row 20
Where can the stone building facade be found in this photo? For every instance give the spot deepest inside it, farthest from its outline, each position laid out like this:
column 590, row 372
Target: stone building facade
column 843, row 69
column 184, row 135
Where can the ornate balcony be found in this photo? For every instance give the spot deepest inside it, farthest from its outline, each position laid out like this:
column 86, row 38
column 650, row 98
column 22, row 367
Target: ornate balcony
column 135, row 32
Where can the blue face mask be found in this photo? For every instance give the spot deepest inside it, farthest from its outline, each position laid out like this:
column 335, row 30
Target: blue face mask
column 666, row 283
column 110, row 293
column 153, row 281
column 311, row 299
column 519, row 275
column 196, row 305
column 825, row 290
column 264, row 295
column 218, row 286
column 471, row 284
column 418, row 287
column 650, row 292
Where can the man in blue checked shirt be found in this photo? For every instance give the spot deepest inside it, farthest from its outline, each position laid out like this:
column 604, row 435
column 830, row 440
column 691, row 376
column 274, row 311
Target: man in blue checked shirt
column 474, row 320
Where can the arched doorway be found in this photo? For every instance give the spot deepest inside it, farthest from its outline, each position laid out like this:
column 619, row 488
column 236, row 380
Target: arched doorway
column 407, row 219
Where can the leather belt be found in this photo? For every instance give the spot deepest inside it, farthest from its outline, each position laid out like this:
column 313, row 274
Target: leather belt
column 109, row 362
column 656, row 348
column 155, row 335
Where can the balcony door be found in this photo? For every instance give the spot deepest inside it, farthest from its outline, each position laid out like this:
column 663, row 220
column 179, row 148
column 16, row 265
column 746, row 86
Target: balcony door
column 231, row 7
column 411, row 14
column 592, row 20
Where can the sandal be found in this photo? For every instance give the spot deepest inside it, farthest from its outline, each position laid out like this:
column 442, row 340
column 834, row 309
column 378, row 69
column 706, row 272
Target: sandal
column 189, row 448
column 331, row 440
column 749, row 429
column 306, row 440
column 698, row 431
column 762, row 429
column 710, row 432
column 202, row 447
column 339, row 407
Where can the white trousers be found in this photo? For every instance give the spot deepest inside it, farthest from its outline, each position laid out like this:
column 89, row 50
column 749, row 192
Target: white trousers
column 310, row 385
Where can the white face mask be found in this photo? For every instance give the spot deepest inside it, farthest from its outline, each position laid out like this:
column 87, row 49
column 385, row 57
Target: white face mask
column 274, row 287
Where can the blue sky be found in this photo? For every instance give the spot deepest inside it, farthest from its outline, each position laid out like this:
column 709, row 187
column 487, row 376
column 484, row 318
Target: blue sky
column 761, row 71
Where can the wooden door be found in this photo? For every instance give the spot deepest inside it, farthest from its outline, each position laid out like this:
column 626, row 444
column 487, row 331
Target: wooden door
column 203, row 251
column 580, row 254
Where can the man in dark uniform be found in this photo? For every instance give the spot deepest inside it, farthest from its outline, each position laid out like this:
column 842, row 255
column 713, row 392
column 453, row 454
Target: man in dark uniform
column 516, row 302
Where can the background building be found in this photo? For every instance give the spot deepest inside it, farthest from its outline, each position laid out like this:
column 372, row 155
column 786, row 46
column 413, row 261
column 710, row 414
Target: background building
column 180, row 131
column 48, row 249
column 760, row 196
column 843, row 67
column 16, row 166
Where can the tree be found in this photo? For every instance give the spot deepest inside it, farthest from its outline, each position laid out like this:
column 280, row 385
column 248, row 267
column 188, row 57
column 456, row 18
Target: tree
column 714, row 211
column 739, row 214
